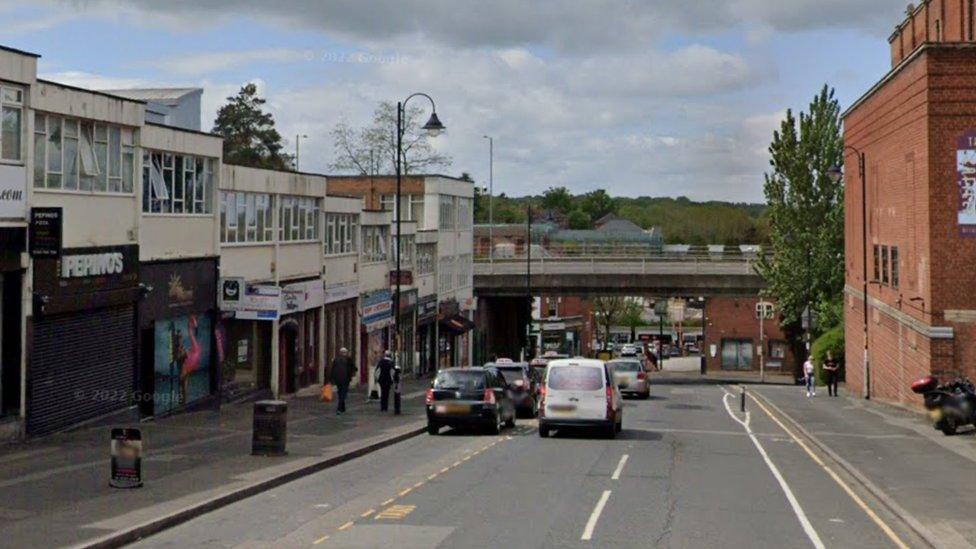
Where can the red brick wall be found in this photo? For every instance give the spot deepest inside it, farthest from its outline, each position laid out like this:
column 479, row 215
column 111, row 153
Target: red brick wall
column 932, row 21
column 735, row 318
column 373, row 187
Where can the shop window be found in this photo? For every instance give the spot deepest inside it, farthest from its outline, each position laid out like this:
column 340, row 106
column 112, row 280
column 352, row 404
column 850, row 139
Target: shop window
column 736, row 354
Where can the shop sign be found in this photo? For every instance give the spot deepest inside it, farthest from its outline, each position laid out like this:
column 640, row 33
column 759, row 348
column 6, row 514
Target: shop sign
column 177, row 288
column 408, row 301
column 302, row 296
column 966, row 183
column 249, row 301
column 341, row 292
column 426, row 308
column 406, row 278
column 553, row 326
column 45, row 232
column 81, row 270
column 377, row 309
column 448, row 308
column 13, row 191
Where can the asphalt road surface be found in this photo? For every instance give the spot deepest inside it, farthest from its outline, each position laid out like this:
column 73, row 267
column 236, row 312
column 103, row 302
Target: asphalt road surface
column 688, row 470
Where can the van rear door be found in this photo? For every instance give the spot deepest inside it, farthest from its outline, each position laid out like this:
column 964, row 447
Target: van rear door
column 576, row 391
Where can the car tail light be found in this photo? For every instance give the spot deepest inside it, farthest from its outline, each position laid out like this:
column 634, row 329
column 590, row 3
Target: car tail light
column 641, row 375
column 430, row 397
column 489, row 396
column 609, row 402
column 520, row 383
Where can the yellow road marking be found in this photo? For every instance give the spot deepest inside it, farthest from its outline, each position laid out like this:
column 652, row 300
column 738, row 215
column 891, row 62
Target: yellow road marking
column 320, row 540
column 456, row 463
column 816, row 459
column 405, row 492
column 419, row 484
column 368, row 513
column 432, row 477
column 346, row 526
column 446, row 469
column 396, row 512
column 387, row 502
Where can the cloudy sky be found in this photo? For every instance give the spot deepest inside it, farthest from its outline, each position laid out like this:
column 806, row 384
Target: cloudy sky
column 643, row 97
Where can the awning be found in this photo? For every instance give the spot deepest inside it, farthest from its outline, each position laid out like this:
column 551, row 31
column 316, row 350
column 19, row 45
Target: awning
column 457, row 324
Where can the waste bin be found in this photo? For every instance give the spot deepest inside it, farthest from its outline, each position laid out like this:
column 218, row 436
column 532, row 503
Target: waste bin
column 270, row 428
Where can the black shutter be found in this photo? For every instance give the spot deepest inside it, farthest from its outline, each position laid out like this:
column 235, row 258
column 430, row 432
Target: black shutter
column 82, row 366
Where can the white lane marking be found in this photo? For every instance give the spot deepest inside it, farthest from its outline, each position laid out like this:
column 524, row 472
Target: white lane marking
column 620, row 467
column 797, row 508
column 595, row 516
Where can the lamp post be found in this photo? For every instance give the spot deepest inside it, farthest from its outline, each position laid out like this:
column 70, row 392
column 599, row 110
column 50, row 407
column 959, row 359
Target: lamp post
column 491, row 194
column 836, row 173
column 298, row 141
column 528, row 279
column 433, row 127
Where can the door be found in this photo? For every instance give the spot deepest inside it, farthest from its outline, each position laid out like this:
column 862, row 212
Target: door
column 288, row 357
column 576, row 391
column 736, row 354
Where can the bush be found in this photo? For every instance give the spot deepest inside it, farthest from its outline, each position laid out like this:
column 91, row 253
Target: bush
column 832, row 340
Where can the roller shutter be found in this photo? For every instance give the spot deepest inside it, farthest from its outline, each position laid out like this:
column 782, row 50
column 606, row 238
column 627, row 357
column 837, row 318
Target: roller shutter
column 82, row 366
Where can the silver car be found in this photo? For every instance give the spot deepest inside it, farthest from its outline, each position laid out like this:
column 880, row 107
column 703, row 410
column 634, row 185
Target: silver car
column 630, row 377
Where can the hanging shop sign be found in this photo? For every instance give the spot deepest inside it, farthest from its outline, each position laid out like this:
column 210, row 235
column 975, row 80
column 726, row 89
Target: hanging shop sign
column 46, row 232
column 302, row 296
column 377, row 310
column 406, row 278
column 341, row 292
column 426, row 309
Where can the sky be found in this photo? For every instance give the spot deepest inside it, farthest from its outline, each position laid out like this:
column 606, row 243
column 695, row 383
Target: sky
column 640, row 97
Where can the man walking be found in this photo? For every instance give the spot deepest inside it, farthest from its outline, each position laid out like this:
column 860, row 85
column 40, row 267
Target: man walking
column 385, row 379
column 831, row 368
column 343, row 371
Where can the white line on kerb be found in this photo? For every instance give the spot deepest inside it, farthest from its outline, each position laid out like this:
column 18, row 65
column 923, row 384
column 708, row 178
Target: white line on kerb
column 620, row 467
column 595, row 516
column 797, row 509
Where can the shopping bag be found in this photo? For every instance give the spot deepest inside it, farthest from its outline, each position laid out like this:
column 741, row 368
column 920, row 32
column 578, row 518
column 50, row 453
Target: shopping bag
column 326, row 394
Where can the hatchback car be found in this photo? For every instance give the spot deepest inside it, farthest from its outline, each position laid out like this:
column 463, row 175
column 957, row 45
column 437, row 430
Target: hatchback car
column 631, row 377
column 469, row 397
column 524, row 387
column 580, row 393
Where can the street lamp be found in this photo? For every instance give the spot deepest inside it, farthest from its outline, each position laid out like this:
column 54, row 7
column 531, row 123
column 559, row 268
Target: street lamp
column 298, row 140
column 836, row 173
column 433, row 127
column 491, row 193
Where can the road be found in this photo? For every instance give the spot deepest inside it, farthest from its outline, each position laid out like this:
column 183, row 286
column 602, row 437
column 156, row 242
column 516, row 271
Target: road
column 689, row 470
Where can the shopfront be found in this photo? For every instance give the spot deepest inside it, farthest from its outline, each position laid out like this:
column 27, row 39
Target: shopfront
column 377, row 317
column 298, row 338
column 244, row 335
column 176, row 320
column 453, row 329
column 426, row 341
column 341, row 320
column 83, row 345
column 408, row 309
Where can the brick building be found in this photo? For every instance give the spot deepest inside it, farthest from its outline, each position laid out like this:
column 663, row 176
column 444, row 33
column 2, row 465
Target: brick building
column 734, row 333
column 916, row 130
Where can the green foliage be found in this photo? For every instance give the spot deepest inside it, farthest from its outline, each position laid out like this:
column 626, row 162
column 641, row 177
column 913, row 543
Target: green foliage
column 578, row 219
column 557, row 199
column 831, row 340
column 597, row 204
column 250, row 137
column 805, row 212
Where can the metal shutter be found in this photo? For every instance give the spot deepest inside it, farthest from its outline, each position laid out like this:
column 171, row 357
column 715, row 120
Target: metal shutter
column 82, row 366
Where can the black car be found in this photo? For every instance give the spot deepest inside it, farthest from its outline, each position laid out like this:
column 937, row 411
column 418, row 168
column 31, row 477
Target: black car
column 470, row 397
column 525, row 389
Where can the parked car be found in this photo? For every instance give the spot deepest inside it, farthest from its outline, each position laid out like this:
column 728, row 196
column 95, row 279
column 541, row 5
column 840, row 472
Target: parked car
column 631, row 377
column 580, row 393
column 628, row 350
column 524, row 387
column 470, row 397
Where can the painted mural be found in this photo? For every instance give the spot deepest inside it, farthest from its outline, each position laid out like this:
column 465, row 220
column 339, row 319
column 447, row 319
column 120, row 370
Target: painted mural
column 182, row 361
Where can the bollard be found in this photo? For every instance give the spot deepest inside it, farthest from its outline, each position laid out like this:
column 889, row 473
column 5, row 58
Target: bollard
column 396, row 391
column 742, row 398
column 270, row 428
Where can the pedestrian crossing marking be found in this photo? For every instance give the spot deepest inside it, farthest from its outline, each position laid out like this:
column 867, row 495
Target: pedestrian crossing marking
column 395, row 512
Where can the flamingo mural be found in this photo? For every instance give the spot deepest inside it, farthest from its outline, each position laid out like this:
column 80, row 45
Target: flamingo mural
column 192, row 362
column 182, row 360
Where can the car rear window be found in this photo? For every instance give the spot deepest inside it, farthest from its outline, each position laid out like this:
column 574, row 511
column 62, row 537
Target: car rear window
column 460, row 380
column 626, row 366
column 512, row 374
column 575, row 378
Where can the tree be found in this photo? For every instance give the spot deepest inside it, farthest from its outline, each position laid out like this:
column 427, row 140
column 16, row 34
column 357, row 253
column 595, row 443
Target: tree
column 805, row 214
column 597, row 204
column 607, row 311
column 372, row 150
column 632, row 316
column 250, row 137
column 578, row 219
column 557, row 199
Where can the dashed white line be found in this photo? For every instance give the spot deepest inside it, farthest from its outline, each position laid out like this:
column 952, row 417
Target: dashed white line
column 620, row 467
column 595, row 516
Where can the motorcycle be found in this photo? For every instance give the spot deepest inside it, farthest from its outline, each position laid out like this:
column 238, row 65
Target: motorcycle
column 950, row 405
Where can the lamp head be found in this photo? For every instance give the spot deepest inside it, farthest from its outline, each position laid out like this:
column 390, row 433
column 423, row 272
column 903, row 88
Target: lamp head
column 434, row 126
column 835, row 173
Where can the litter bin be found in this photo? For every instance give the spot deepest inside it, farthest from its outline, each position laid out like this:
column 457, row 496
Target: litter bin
column 270, row 428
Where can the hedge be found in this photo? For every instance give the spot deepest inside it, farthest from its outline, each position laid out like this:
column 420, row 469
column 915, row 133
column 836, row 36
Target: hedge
column 832, row 340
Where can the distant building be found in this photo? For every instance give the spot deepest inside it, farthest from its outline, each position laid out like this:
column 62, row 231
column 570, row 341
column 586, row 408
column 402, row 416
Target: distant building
column 177, row 107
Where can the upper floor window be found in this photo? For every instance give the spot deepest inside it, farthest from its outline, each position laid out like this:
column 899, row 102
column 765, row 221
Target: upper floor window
column 298, row 218
column 426, row 256
column 463, row 271
column 445, row 274
column 464, row 213
column 884, row 265
column 340, row 233
column 411, row 206
column 894, row 267
column 406, row 243
column 12, row 103
column 877, row 262
column 72, row 154
column 448, row 212
column 246, row 217
column 177, row 183
column 376, row 240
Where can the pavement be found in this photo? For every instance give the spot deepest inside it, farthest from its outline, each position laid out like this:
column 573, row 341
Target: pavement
column 689, row 470
column 688, row 368
column 56, row 493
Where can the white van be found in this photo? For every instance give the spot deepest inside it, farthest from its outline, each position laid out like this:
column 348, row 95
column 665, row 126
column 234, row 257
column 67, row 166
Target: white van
column 579, row 393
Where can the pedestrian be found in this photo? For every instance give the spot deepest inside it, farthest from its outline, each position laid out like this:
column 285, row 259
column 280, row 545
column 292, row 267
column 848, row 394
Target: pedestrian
column 831, row 367
column 808, row 373
column 343, row 371
column 385, row 379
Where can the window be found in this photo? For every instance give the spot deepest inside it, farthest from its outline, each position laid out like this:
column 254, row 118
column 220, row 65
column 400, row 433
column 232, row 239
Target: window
column 894, row 267
column 71, row 154
column 877, row 262
column 12, row 106
column 406, row 243
column 375, row 243
column 424, row 263
column 245, row 217
column 386, row 202
column 884, row 265
column 340, row 231
column 445, row 274
column 463, row 271
column 447, row 212
column 174, row 183
column 464, row 213
column 298, row 218
column 411, row 206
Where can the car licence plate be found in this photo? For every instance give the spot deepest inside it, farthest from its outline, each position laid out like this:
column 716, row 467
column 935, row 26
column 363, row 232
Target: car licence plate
column 451, row 409
column 561, row 409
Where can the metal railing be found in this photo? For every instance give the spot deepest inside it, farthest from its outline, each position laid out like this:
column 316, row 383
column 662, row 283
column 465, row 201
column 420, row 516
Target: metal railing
column 607, row 265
